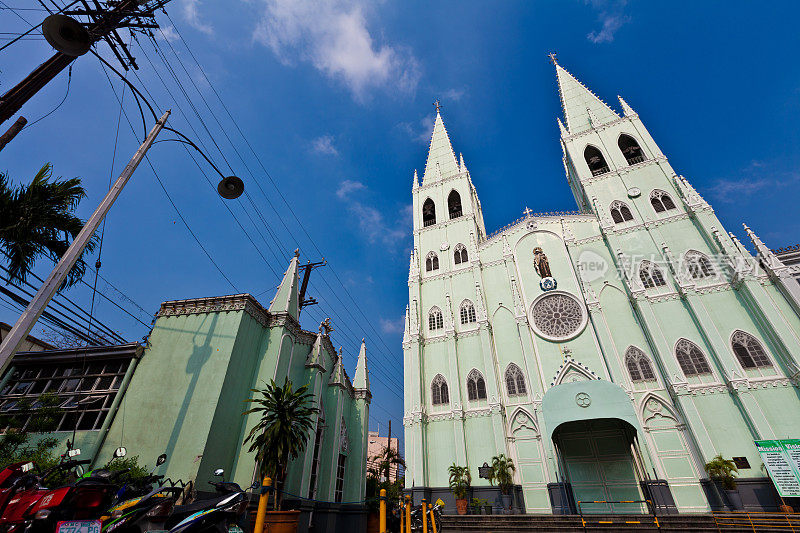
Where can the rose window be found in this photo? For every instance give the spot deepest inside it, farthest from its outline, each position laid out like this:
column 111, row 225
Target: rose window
column 557, row 316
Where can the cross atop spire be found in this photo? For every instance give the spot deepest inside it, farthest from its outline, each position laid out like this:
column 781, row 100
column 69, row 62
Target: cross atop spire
column 438, row 105
column 552, row 56
column 527, row 211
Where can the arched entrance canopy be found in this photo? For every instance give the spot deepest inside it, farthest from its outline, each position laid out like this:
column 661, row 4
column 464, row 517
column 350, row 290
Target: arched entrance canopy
column 586, row 400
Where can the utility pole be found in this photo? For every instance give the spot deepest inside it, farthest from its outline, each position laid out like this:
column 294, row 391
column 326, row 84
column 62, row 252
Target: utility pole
column 11, row 132
column 103, row 25
column 306, row 269
column 389, row 447
column 28, row 318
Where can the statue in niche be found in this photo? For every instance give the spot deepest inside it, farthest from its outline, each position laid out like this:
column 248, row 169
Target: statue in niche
column 540, row 263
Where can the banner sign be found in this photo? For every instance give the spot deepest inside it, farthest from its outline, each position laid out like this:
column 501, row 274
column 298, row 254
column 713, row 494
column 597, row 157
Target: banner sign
column 782, row 459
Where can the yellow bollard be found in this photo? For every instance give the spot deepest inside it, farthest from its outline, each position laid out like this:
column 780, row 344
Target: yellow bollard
column 433, row 520
column 424, row 516
column 408, row 514
column 382, row 526
column 263, row 500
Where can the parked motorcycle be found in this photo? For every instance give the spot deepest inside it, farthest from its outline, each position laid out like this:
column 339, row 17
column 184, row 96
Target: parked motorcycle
column 226, row 513
column 76, row 507
column 29, row 489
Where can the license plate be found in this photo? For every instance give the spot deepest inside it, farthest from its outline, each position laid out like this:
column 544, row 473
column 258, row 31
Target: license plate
column 78, row 526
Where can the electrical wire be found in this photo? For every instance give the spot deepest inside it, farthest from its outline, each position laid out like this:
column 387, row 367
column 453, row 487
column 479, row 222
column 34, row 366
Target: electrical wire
column 69, row 81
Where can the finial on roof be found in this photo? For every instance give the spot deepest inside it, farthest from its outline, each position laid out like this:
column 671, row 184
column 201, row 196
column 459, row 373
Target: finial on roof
column 552, row 56
column 628, row 110
column 438, row 105
column 297, row 252
column 416, row 179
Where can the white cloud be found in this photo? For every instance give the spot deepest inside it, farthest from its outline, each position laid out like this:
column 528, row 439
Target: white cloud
column 610, row 14
column 454, row 94
column 167, row 33
column 420, row 132
column 191, row 14
column 755, row 176
column 393, row 326
column 324, row 145
column 348, row 186
column 333, row 36
column 372, row 223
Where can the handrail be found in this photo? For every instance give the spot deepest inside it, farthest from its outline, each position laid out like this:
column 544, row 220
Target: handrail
column 648, row 503
column 757, row 520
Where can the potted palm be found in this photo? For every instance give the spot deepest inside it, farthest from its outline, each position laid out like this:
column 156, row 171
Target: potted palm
column 721, row 471
column 460, row 480
column 503, row 473
column 279, row 436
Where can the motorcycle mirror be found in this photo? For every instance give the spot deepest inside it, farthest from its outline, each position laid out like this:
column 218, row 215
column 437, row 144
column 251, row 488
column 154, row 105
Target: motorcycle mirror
column 219, row 472
column 27, row 467
column 73, row 453
column 120, row 452
column 161, row 459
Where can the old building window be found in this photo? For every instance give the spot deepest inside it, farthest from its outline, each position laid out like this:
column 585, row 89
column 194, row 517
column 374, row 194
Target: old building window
column 84, row 391
column 638, row 365
column 515, row 382
column 749, row 351
column 439, row 393
column 340, row 469
column 435, row 319
column 476, row 386
column 698, row 265
column 312, row 484
column 650, row 275
column 620, row 212
column 630, row 149
column 428, row 213
column 557, row 316
column 691, row 358
column 454, row 204
column 431, row 262
column 460, row 254
column 661, row 201
column 595, row 160
column 467, row 312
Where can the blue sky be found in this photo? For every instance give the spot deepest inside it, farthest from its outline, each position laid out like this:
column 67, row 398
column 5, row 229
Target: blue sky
column 336, row 100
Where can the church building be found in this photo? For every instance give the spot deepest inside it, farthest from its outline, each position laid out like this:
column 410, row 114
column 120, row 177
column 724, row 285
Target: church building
column 610, row 352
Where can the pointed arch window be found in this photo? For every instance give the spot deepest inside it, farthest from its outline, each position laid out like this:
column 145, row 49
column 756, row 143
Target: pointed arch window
column 691, row 359
column 638, row 364
column 650, row 275
column 699, row 265
column 620, row 212
column 515, row 381
column 435, row 320
column 630, row 149
column 428, row 213
column 439, row 392
column 476, row 386
column 454, row 204
column 431, row 262
column 661, row 201
column 467, row 312
column 749, row 351
column 595, row 160
column 460, row 254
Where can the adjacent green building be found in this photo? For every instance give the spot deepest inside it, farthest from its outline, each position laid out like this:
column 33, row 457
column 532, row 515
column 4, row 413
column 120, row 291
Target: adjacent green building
column 184, row 395
column 610, row 352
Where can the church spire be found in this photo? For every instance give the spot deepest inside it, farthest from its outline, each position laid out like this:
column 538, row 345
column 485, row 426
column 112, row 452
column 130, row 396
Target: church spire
column 441, row 157
column 583, row 110
column 286, row 299
column 361, row 377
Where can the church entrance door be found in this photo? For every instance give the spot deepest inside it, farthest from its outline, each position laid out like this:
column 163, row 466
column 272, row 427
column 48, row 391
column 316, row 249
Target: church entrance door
column 596, row 457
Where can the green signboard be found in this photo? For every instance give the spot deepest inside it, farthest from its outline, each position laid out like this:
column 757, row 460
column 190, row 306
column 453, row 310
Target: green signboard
column 782, row 459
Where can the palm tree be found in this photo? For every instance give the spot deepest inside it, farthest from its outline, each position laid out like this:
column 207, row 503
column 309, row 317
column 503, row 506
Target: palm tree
column 283, row 429
column 503, row 472
column 37, row 220
column 388, row 459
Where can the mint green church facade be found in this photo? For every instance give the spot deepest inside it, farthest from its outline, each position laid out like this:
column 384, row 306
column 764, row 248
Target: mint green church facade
column 610, row 352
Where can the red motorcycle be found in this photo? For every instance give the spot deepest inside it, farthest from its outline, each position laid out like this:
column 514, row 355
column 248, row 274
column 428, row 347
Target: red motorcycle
column 27, row 491
column 8, row 480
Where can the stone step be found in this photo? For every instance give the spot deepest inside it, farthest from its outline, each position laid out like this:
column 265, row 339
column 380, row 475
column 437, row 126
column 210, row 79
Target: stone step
column 572, row 523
